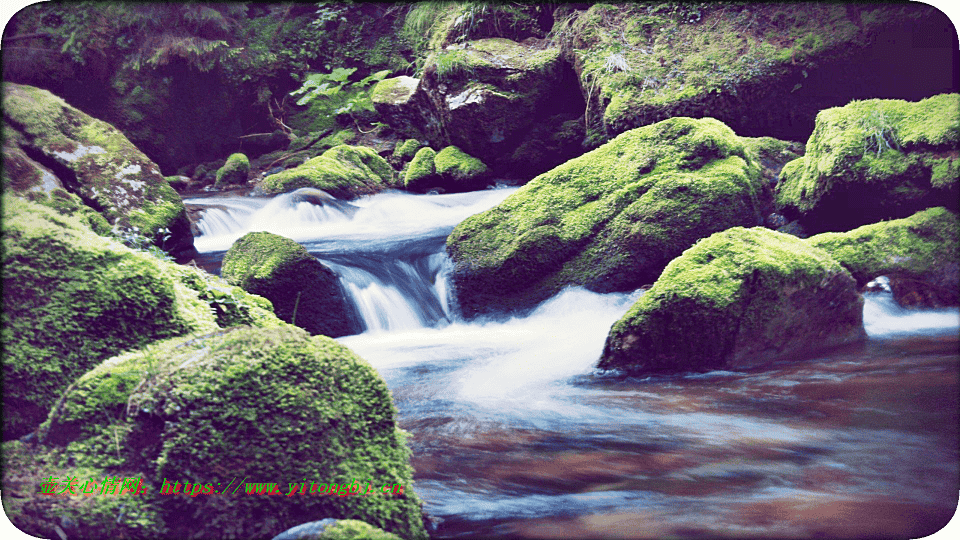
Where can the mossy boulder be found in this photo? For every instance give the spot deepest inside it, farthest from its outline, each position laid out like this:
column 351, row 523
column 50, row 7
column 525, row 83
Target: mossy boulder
column 421, row 174
column 740, row 298
column 403, row 104
column 874, row 160
column 404, row 151
column 234, row 171
column 919, row 254
column 245, row 405
column 343, row 171
column 609, row 220
column 450, row 170
column 97, row 163
column 303, row 291
column 72, row 298
column 764, row 69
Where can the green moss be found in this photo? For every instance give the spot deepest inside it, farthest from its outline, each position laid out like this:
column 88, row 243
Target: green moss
column 925, row 246
column 610, row 219
column 343, row 171
column 234, row 171
column 393, row 90
column 457, row 165
column 739, row 297
column 253, row 404
column 405, row 151
column 873, row 160
column 422, row 170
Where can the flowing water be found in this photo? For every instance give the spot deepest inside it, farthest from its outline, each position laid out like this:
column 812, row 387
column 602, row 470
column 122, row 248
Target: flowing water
column 514, row 434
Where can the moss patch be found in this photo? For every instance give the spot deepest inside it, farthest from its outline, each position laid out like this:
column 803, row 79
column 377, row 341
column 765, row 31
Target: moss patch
column 234, row 171
column 421, row 174
column 610, row 219
column 738, row 298
column 873, row 160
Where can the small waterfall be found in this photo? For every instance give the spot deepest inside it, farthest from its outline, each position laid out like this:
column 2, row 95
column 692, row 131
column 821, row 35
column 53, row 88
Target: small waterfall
column 387, row 249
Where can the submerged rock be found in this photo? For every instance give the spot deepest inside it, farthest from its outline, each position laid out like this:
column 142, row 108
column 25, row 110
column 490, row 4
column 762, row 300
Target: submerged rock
column 919, row 255
column 739, row 298
column 72, row 299
column 345, row 172
column 303, row 291
column 609, row 220
column 245, row 404
column 60, row 146
column 874, row 160
column 335, row 529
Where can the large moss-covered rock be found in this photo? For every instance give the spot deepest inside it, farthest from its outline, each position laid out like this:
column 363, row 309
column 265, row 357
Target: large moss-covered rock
column 920, row 255
column 403, row 103
column 762, row 68
column 609, row 220
column 72, row 298
column 489, row 94
column 343, row 171
column 234, row 171
column 874, row 160
column 450, row 170
column 421, row 174
column 93, row 160
column 246, row 405
column 303, row 291
column 739, row 298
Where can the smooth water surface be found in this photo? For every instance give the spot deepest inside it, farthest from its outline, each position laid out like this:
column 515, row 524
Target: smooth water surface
column 514, row 434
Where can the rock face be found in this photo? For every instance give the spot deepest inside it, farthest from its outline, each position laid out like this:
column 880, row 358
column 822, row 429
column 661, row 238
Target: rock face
column 920, row 255
column 609, row 220
column 53, row 144
column 245, row 404
column 72, row 299
column 764, row 69
column 739, row 298
column 343, row 171
column 234, row 171
column 874, row 160
column 494, row 98
column 303, row 291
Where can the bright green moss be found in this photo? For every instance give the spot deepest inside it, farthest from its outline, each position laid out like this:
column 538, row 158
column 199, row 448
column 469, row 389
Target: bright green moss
column 405, row 151
column 393, row 90
column 234, row 171
column 458, row 165
column 350, row 529
column 342, row 171
column 610, row 219
column 872, row 160
column 422, row 169
column 738, row 297
column 254, row 404
column 924, row 246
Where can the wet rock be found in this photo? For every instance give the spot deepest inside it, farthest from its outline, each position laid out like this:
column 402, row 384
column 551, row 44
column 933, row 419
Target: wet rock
column 919, row 255
column 93, row 160
column 334, row 529
column 303, row 291
column 874, row 160
column 740, row 298
column 234, row 172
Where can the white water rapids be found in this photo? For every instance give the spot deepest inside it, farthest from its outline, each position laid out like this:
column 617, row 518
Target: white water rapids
column 515, row 435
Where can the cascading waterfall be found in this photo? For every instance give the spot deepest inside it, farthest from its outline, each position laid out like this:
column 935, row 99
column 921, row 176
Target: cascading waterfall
column 514, row 434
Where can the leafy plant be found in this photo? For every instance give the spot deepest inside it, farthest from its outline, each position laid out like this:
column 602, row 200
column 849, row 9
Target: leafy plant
column 340, row 95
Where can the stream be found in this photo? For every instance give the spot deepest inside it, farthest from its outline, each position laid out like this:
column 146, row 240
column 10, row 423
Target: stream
column 515, row 435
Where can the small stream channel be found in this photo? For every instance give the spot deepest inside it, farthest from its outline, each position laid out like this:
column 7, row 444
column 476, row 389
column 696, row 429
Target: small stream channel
column 514, row 434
